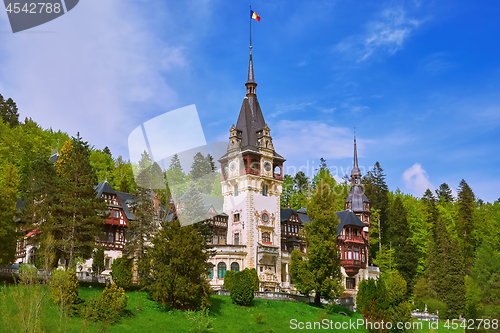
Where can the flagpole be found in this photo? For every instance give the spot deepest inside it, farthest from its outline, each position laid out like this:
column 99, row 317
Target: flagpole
column 250, row 27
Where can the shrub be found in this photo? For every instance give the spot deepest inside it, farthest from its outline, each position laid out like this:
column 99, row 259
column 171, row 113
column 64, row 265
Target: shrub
column 64, row 287
column 228, row 279
column 200, row 321
column 434, row 305
column 113, row 299
column 121, row 271
column 28, row 274
column 255, row 277
column 259, row 318
column 242, row 288
column 107, row 307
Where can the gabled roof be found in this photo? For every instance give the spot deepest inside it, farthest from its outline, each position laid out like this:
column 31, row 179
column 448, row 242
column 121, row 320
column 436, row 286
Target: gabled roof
column 125, row 200
column 104, row 187
column 286, row 213
column 347, row 217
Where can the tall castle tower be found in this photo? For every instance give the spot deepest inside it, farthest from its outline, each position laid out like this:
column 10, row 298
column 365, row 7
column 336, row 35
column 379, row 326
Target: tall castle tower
column 252, row 175
column 357, row 201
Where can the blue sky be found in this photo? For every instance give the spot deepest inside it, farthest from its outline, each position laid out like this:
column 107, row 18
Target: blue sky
column 420, row 80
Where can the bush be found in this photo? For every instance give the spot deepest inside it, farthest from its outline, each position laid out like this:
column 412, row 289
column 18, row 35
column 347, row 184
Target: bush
column 200, row 321
column 259, row 318
column 255, row 277
column 113, row 298
column 64, row 287
column 28, row 274
column 243, row 287
column 228, row 279
column 108, row 307
column 121, row 271
column 434, row 305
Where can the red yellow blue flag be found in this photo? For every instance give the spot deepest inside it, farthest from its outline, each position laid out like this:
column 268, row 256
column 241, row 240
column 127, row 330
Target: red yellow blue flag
column 254, row 15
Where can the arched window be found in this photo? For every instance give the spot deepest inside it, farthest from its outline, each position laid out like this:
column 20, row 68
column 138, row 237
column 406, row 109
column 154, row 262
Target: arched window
column 235, row 267
column 349, row 253
column 356, row 253
column 266, row 238
column 221, row 270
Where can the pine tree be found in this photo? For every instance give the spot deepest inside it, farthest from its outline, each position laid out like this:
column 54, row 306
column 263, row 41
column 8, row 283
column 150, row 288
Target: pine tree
column 40, row 212
column 143, row 226
column 8, row 233
column 9, row 112
column 179, row 265
column 79, row 212
column 405, row 252
column 322, row 258
column 444, row 193
column 445, row 270
column 466, row 226
column 376, row 190
column 178, row 181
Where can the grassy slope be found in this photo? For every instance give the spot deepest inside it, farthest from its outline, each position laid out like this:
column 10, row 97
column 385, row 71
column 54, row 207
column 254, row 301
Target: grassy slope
column 146, row 316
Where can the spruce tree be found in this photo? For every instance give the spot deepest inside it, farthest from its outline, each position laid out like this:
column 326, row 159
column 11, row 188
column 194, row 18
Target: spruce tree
column 405, row 253
column 466, row 226
column 142, row 228
column 78, row 211
column 444, row 193
column 376, row 190
column 445, row 270
column 322, row 258
column 9, row 112
column 40, row 212
column 8, row 232
column 179, row 265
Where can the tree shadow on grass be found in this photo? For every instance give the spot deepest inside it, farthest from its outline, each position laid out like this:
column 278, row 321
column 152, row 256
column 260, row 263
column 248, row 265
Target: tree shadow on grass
column 216, row 305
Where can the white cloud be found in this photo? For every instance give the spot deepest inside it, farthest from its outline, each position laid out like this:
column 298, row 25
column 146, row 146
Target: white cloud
column 303, row 143
column 417, row 180
column 386, row 35
column 99, row 73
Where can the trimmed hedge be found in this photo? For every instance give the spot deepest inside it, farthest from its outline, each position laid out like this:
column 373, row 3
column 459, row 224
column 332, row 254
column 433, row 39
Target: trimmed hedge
column 121, row 272
column 243, row 287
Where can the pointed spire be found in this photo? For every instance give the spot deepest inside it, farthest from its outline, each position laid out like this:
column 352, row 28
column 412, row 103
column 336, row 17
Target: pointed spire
column 355, row 173
column 251, row 84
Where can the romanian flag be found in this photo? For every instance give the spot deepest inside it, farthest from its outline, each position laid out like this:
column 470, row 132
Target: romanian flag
column 254, row 15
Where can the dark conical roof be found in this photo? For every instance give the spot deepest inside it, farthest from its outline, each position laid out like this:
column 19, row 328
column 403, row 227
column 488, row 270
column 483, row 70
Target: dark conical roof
column 357, row 198
column 347, row 217
column 250, row 121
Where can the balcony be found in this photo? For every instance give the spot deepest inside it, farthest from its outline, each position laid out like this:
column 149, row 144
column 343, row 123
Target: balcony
column 267, row 254
column 352, row 267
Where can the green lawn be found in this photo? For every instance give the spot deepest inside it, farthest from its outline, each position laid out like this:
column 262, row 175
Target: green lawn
column 144, row 315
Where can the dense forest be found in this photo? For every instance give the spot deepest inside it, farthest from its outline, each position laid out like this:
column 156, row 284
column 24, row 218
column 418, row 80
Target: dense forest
column 446, row 248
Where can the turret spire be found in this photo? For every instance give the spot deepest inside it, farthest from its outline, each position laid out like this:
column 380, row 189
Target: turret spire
column 355, row 173
column 251, row 84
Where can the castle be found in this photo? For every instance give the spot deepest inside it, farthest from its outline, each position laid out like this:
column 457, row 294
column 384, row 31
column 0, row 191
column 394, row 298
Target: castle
column 250, row 229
